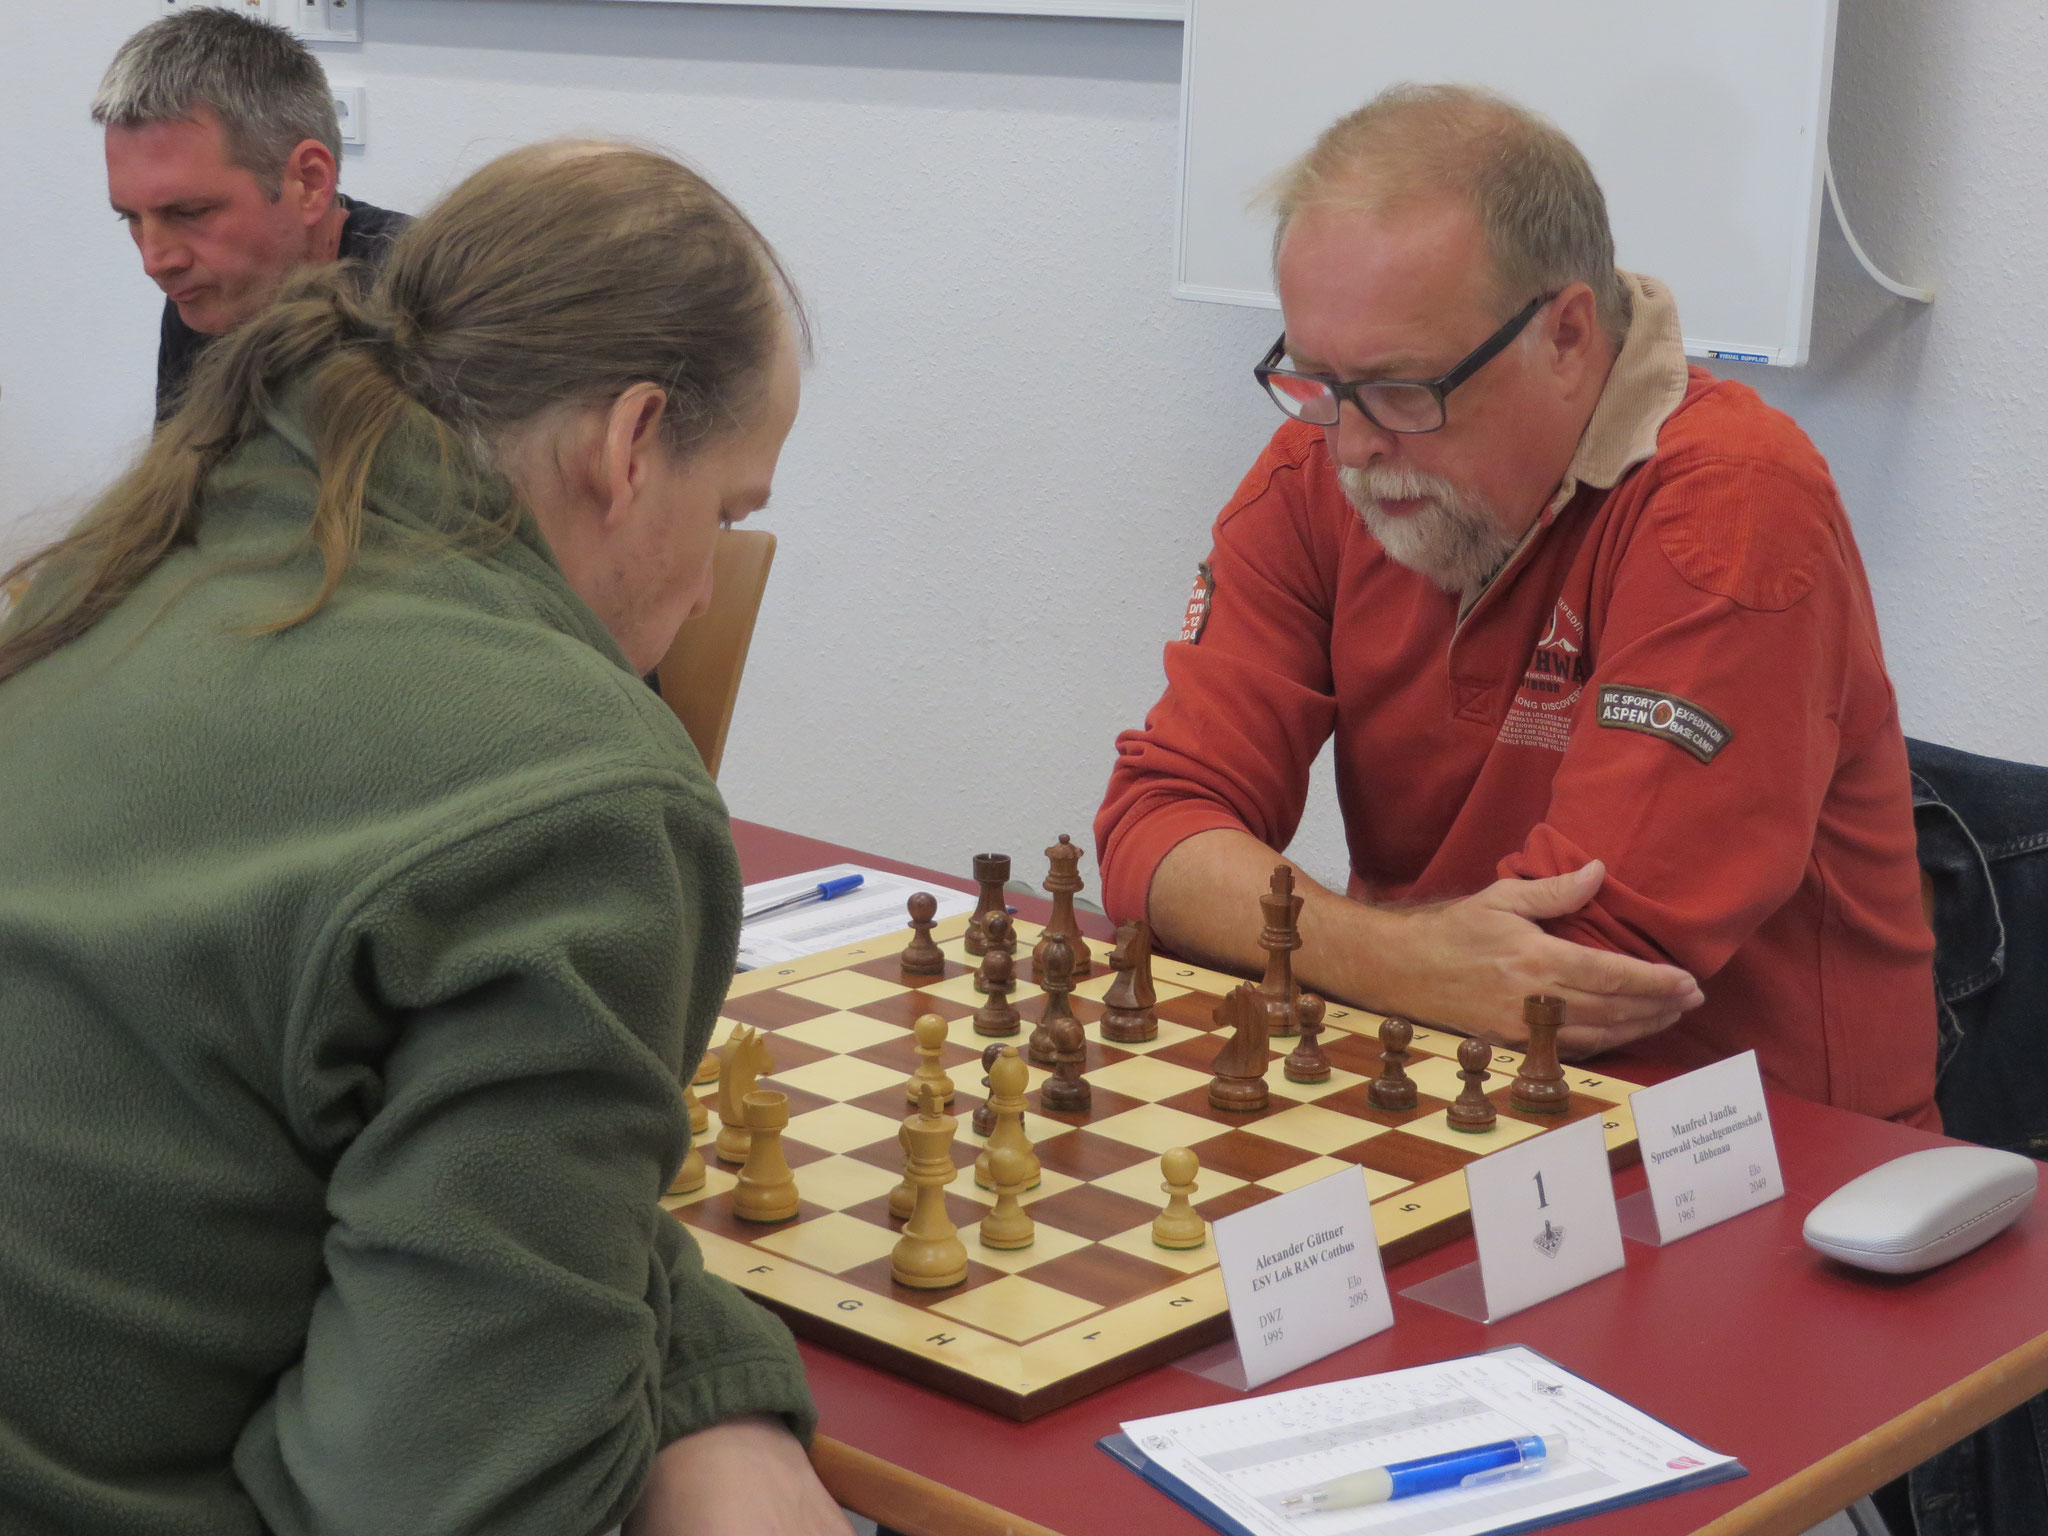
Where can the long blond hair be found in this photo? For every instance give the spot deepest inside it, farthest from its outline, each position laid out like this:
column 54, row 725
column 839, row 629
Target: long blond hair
column 562, row 273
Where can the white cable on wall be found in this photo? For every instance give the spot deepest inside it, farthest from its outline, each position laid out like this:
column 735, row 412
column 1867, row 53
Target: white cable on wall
column 1888, row 284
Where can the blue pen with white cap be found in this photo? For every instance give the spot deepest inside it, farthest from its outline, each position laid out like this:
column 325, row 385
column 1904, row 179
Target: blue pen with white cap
column 1469, row 1468
column 825, row 890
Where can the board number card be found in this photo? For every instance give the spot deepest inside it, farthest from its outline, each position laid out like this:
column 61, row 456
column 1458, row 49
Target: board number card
column 1707, row 1146
column 1302, row 1273
column 1543, row 1216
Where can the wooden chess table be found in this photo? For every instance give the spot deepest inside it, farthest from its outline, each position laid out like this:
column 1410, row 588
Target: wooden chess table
column 1825, row 1382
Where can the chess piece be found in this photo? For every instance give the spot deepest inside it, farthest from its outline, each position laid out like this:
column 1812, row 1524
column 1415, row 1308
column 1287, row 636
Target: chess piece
column 700, row 1117
column 1306, row 1063
column 1009, row 1225
column 1472, row 1110
column 1058, row 981
column 691, row 1175
column 903, row 1198
column 1239, row 1083
column 1000, row 933
column 1539, row 1088
column 707, row 1068
column 745, row 1058
column 767, row 1189
column 1062, row 883
column 1067, row 1089
column 1280, row 938
column 996, row 977
column 992, row 870
column 930, row 1034
column 921, row 956
column 985, row 1112
column 1130, row 1009
column 1393, row 1089
column 1179, row 1225
column 1007, row 1078
column 929, row 1256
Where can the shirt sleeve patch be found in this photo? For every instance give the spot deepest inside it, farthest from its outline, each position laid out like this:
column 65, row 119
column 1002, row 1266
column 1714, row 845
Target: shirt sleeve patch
column 1663, row 714
column 1196, row 619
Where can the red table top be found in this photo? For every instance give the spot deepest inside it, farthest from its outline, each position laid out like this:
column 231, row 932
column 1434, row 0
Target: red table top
column 1739, row 1336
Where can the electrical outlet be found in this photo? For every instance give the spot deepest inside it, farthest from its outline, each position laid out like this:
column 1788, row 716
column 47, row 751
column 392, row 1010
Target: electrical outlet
column 311, row 21
column 348, row 111
column 321, row 21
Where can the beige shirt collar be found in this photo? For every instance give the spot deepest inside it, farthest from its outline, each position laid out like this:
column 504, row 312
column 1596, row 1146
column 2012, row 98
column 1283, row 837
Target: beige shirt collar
column 1645, row 385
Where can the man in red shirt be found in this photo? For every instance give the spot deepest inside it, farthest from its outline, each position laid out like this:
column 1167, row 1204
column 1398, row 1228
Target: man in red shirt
column 1589, row 627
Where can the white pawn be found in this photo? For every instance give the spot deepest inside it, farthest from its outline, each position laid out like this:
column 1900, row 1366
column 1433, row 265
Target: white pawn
column 1007, row 1076
column 903, row 1198
column 930, row 1031
column 1179, row 1225
column 1009, row 1225
column 691, row 1175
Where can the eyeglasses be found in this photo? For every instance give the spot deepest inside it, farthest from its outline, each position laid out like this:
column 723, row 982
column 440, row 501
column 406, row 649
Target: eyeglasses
column 1393, row 405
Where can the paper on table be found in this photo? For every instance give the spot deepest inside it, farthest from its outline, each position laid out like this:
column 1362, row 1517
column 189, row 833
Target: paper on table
column 1243, row 1457
column 877, row 907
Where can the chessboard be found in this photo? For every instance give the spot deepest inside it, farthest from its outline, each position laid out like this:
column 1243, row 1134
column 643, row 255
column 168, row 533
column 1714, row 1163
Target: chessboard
column 1092, row 1300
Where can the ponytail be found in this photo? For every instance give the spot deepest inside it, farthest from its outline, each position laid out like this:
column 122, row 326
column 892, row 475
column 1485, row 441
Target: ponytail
column 319, row 327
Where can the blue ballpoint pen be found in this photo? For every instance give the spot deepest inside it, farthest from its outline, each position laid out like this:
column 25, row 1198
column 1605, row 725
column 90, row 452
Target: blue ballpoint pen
column 1428, row 1474
column 824, row 891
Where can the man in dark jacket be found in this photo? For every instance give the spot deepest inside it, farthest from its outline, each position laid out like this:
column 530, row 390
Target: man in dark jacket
column 223, row 154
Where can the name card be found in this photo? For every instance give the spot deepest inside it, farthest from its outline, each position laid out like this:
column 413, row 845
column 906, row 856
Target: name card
column 1707, row 1146
column 1302, row 1272
column 1543, row 1216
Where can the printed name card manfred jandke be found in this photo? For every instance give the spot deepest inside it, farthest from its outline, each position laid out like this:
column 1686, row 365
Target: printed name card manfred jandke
column 1707, row 1146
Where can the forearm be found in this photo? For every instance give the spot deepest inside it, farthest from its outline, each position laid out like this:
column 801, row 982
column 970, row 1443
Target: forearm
column 1466, row 964
column 745, row 1477
column 1204, row 904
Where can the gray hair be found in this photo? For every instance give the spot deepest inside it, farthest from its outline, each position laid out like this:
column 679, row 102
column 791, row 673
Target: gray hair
column 1544, row 215
column 266, row 88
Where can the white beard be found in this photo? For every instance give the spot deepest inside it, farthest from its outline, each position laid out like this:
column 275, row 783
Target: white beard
column 1455, row 540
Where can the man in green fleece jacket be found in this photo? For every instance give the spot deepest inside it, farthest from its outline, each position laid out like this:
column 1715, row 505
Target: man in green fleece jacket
column 349, row 971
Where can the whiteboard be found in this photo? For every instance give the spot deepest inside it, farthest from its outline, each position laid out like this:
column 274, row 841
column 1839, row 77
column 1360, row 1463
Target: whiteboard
column 1128, row 10
column 1706, row 124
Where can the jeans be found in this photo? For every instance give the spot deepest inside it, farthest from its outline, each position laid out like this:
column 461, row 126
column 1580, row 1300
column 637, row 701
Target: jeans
column 1983, row 835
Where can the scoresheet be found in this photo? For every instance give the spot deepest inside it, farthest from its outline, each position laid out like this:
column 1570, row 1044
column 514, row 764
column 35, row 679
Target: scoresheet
column 876, row 908
column 1244, row 1457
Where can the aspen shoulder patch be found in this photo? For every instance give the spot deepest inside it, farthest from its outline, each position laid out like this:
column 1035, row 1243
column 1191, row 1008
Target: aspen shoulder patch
column 1623, row 708
column 1196, row 619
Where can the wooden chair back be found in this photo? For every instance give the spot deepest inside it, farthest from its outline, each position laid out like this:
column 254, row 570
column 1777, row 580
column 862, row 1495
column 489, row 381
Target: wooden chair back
column 700, row 675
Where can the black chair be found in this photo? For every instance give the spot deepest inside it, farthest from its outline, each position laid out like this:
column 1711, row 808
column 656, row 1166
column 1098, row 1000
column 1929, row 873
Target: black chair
column 1982, row 826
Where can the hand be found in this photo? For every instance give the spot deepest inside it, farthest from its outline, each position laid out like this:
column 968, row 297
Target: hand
column 1474, row 961
column 746, row 1477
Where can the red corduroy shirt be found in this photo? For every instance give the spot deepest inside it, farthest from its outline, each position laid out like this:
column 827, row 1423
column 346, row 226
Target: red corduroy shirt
column 1678, row 672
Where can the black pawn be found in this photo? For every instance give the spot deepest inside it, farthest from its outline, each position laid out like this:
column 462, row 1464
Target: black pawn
column 985, row 1114
column 1393, row 1089
column 1067, row 1089
column 1472, row 1111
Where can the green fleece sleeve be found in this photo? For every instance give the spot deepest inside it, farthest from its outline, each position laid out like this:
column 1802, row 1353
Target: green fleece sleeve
column 489, row 1046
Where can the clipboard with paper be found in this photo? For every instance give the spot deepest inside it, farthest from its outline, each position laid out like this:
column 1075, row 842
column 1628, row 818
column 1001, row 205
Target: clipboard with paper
column 1232, row 1464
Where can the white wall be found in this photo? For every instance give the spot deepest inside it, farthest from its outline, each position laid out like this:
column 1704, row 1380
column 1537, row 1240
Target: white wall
column 1935, row 418
column 1013, row 440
